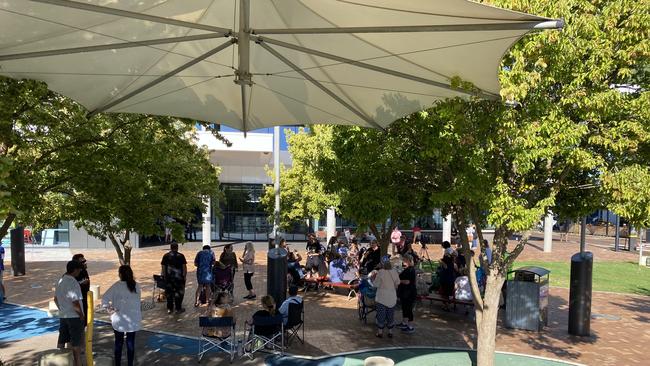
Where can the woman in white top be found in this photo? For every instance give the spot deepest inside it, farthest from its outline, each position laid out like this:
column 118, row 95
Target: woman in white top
column 123, row 303
column 248, row 261
column 386, row 281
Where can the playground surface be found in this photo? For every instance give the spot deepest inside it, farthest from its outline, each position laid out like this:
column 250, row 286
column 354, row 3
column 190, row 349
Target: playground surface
column 619, row 324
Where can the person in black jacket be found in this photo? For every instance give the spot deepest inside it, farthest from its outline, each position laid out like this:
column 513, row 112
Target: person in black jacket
column 84, row 282
column 407, row 292
column 371, row 257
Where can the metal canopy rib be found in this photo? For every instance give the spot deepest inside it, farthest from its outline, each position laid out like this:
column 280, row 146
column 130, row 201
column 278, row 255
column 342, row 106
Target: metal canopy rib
column 515, row 25
column 112, row 46
column 162, row 78
column 372, row 67
column 319, row 85
column 131, row 14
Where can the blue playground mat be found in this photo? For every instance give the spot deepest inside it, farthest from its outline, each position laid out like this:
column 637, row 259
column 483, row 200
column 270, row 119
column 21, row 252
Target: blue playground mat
column 19, row 322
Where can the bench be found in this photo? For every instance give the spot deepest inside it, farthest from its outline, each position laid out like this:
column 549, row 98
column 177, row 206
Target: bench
column 437, row 297
column 351, row 288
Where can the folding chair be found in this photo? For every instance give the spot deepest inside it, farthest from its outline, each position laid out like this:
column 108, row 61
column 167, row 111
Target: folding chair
column 227, row 344
column 160, row 285
column 264, row 333
column 295, row 322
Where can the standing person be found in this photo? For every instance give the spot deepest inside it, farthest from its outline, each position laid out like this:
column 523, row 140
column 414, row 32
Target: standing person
column 67, row 298
column 84, row 283
column 417, row 233
column 123, row 303
column 174, row 272
column 312, row 243
column 3, row 291
column 203, row 262
column 386, row 281
column 248, row 262
column 228, row 258
column 371, row 257
column 395, row 238
column 407, row 292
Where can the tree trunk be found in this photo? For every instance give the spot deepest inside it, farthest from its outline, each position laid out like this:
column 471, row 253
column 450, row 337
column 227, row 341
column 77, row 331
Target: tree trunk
column 127, row 248
column 6, row 224
column 118, row 248
column 487, row 326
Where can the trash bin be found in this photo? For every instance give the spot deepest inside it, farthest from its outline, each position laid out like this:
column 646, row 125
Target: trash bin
column 18, row 251
column 527, row 298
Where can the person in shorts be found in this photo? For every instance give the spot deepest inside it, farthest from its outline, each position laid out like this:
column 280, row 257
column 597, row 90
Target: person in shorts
column 71, row 316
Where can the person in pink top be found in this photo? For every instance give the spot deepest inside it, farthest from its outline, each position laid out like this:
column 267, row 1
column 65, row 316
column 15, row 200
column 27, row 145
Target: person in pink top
column 395, row 238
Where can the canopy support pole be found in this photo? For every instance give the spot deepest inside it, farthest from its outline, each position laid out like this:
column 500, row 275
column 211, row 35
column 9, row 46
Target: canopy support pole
column 515, row 25
column 374, row 67
column 243, row 75
column 131, row 14
column 319, row 85
column 112, row 46
column 162, row 78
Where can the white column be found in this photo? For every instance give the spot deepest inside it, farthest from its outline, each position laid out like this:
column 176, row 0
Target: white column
column 206, row 233
column 331, row 223
column 548, row 233
column 446, row 228
column 315, row 225
column 276, row 183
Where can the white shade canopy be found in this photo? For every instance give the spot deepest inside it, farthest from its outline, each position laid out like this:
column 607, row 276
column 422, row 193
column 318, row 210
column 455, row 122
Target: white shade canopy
column 250, row 64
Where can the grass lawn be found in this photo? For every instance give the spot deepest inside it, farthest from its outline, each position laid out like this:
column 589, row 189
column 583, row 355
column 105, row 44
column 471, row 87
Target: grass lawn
column 623, row 277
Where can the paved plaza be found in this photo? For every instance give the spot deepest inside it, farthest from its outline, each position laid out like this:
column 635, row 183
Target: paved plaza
column 619, row 329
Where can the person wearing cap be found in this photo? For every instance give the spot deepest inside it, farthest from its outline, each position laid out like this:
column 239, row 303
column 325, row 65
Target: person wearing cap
column 68, row 299
column 84, row 282
column 386, row 281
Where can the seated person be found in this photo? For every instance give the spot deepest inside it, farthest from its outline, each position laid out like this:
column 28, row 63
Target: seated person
column 447, row 273
column 462, row 288
column 337, row 268
column 268, row 310
column 219, row 309
column 292, row 299
column 293, row 266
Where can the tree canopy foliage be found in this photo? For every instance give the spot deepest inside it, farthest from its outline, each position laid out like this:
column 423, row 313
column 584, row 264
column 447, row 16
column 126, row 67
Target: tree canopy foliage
column 112, row 174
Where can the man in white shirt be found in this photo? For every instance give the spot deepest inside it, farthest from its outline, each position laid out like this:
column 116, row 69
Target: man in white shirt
column 292, row 299
column 68, row 299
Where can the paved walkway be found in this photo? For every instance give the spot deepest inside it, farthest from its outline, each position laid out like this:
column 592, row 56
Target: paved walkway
column 332, row 324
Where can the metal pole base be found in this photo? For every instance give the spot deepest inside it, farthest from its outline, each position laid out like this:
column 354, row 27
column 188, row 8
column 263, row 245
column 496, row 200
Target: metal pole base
column 580, row 294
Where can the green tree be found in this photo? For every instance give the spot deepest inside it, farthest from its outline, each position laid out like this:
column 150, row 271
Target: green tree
column 56, row 164
column 302, row 194
column 574, row 141
column 134, row 180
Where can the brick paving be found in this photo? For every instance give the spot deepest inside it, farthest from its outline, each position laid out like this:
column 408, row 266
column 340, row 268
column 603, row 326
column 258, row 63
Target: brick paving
column 332, row 323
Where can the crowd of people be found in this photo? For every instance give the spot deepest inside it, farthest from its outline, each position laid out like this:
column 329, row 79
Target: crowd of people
column 392, row 278
column 452, row 275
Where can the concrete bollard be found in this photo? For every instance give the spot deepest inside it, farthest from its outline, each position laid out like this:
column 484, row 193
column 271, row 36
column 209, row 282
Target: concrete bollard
column 56, row 358
column 95, row 289
column 378, row 361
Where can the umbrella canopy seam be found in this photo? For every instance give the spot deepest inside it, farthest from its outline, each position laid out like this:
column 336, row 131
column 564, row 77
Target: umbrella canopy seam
column 131, row 14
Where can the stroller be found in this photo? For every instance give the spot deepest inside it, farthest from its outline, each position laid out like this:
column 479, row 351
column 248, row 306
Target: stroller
column 366, row 299
column 223, row 279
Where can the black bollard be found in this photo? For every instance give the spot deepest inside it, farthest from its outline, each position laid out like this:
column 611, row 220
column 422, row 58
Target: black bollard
column 580, row 294
column 18, row 251
column 276, row 279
